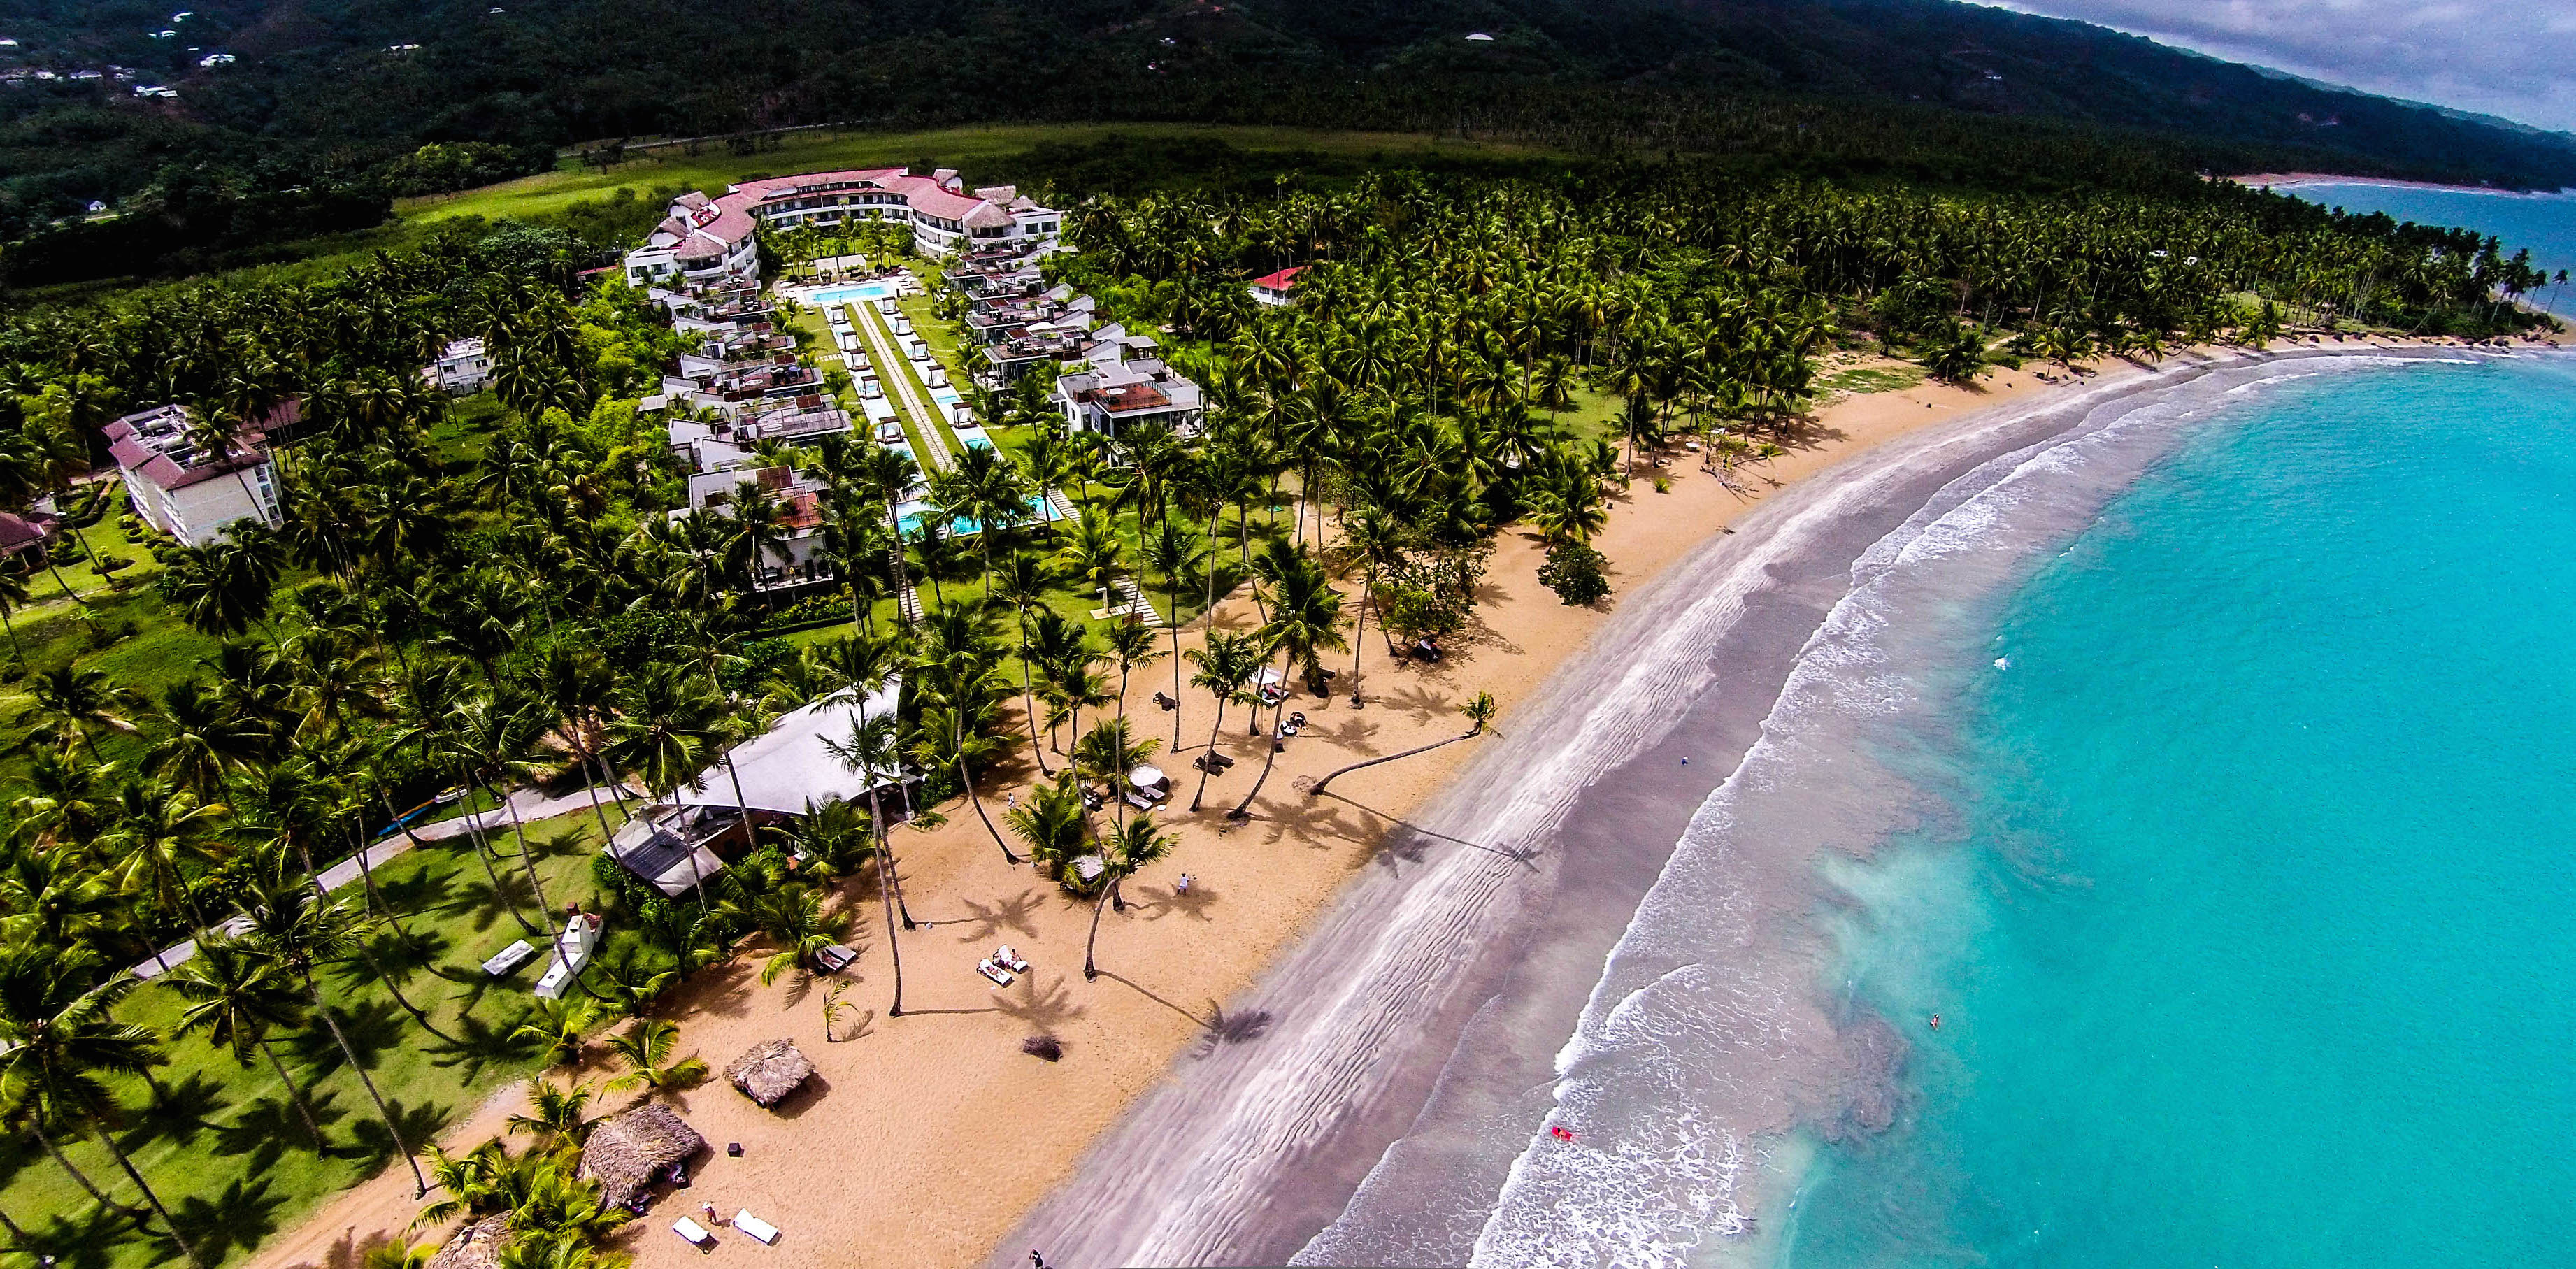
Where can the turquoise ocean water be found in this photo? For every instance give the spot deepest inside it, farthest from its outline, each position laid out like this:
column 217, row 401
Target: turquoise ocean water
column 2544, row 223
column 2244, row 886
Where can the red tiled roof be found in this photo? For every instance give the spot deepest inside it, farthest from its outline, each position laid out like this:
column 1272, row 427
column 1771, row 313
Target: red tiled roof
column 1280, row 281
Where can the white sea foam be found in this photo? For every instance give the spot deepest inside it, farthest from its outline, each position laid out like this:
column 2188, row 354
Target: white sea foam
column 1706, row 1036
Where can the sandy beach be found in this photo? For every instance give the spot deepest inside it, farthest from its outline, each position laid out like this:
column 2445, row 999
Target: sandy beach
column 931, row 1138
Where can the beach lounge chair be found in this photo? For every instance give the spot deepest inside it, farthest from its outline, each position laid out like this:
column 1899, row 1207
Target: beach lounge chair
column 1139, row 800
column 1008, row 957
column 694, row 1233
column 1001, row 977
column 756, row 1227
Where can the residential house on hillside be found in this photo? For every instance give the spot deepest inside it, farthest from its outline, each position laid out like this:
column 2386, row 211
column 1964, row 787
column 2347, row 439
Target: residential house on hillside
column 191, row 494
column 462, row 368
column 1276, row 290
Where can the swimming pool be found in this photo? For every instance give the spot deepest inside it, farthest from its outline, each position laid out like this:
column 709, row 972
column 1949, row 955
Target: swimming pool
column 847, row 294
column 911, row 514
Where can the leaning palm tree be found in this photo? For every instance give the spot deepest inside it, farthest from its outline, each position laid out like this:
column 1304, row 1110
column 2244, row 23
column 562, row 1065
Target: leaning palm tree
column 1132, row 846
column 870, row 750
column 301, row 931
column 238, row 997
column 1173, row 551
column 1305, row 621
column 644, row 1049
column 58, row 1039
column 1226, row 664
column 1478, row 711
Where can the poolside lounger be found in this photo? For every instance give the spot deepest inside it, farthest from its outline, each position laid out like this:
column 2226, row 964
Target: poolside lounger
column 834, row 958
column 1001, row 977
column 1008, row 957
column 756, row 1227
column 695, row 1233
column 1139, row 800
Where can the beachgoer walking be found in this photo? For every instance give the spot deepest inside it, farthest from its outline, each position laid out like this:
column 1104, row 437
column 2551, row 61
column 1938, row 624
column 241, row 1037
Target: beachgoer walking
column 1036, row 1259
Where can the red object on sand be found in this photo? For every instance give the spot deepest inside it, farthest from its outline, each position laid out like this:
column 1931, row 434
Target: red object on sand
column 1561, row 1133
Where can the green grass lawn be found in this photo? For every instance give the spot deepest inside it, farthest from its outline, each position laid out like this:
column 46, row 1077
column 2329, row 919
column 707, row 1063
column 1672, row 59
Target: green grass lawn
column 221, row 1144
column 984, row 154
column 1864, row 380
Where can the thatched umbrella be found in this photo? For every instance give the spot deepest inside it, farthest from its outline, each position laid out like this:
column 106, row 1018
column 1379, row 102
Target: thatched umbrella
column 627, row 1152
column 476, row 1245
column 769, row 1072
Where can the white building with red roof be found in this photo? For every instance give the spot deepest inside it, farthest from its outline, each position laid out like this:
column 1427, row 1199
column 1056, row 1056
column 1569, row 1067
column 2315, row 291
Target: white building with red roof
column 191, row 494
column 1277, row 290
column 710, row 240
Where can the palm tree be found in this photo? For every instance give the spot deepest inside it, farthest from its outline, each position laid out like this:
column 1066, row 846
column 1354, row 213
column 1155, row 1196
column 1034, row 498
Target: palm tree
column 1378, row 542
column 792, row 916
column 238, row 997
column 57, row 1039
column 79, row 700
column 1226, row 662
column 156, row 828
column 1054, row 823
column 224, row 588
column 1131, row 847
column 555, row 1116
column 559, row 1029
column 1305, row 621
column 1173, row 551
column 14, row 595
column 1093, row 552
column 300, row 931
column 1478, row 711
column 644, row 1049
column 1021, row 580
column 663, row 732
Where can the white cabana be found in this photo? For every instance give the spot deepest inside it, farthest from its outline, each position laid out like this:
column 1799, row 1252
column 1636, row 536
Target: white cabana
column 787, row 768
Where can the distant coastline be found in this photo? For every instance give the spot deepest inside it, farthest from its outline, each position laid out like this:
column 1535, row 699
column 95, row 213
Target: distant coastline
column 2296, row 180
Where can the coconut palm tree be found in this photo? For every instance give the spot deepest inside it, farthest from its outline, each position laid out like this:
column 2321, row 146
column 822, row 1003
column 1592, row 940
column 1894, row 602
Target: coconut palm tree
column 1305, row 622
column 555, row 1113
column 1173, row 551
column 158, row 827
column 58, row 1038
column 301, row 931
column 663, row 733
column 238, row 997
column 869, row 751
column 80, row 701
column 558, row 1029
column 14, row 595
column 792, row 917
column 1226, row 664
column 645, row 1050
column 1054, row 824
column 1131, row 847
column 1478, row 711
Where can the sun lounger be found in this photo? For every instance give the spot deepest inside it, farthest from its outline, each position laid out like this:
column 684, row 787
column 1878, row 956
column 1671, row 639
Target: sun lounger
column 1001, row 977
column 834, row 958
column 695, row 1233
column 756, row 1227
column 510, row 958
column 1008, row 957
column 1139, row 800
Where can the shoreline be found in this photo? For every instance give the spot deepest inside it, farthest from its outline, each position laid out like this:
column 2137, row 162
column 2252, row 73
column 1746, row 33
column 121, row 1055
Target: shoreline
column 2294, row 180
column 937, row 1136
column 1385, row 1109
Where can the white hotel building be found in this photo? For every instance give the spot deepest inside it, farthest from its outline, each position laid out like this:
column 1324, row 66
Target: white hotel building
column 709, row 240
column 185, row 492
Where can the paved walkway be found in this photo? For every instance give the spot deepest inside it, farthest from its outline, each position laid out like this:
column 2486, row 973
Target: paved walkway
column 532, row 805
column 895, row 371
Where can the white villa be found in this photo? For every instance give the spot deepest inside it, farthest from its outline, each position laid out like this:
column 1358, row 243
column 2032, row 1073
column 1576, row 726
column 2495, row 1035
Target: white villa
column 189, row 494
column 462, row 368
column 707, row 240
column 1121, row 379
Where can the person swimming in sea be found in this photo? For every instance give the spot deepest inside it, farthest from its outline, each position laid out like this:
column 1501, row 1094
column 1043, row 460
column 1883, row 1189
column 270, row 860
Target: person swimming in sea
column 1936, row 1022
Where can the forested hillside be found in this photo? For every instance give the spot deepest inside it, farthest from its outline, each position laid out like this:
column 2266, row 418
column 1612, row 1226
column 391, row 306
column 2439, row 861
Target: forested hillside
column 323, row 94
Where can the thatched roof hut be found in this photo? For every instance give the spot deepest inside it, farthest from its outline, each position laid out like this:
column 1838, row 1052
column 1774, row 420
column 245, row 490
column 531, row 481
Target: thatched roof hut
column 769, row 1072
column 626, row 1152
column 475, row 1245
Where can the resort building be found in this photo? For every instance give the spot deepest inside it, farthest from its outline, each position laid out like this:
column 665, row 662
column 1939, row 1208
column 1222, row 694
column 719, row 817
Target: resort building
column 707, row 240
column 781, row 775
column 461, row 369
column 1276, row 290
column 185, row 492
column 28, row 534
column 1121, row 380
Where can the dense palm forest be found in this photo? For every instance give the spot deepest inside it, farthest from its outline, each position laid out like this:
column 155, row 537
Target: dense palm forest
column 476, row 596
column 333, row 106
